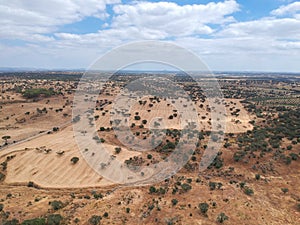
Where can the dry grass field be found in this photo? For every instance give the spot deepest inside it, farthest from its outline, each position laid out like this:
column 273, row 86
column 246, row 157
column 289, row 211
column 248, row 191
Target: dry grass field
column 37, row 167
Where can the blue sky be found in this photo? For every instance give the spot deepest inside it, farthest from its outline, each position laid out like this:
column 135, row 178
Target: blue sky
column 241, row 35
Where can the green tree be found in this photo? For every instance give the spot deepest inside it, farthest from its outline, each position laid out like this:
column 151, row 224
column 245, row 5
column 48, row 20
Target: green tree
column 118, row 150
column 5, row 138
column 174, row 201
column 56, row 205
column 74, row 160
column 95, row 220
column 203, row 207
column 222, row 217
column 152, row 189
column 54, row 219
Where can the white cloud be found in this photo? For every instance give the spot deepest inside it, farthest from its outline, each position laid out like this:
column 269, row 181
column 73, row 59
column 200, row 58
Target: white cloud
column 289, row 9
column 270, row 43
column 172, row 19
column 20, row 19
column 265, row 27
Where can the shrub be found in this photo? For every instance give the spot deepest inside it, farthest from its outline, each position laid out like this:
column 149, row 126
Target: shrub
column 257, row 176
column 54, row 219
column 128, row 210
column 118, row 150
column 30, row 184
column 94, row 220
column 174, row 201
column 11, row 222
column 242, row 184
column 284, row 190
column 222, row 217
column 105, row 214
column 287, row 160
column 74, row 160
column 186, row 187
column 212, row 185
column 1, row 207
column 2, row 176
column 56, row 205
column 36, row 221
column 149, row 156
column 137, row 117
column 203, row 207
column 54, row 129
column 294, row 156
column 248, row 191
column 152, row 189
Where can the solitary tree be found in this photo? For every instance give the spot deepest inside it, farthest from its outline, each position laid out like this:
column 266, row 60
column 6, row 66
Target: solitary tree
column 74, row 160
column 6, row 138
column 222, row 217
column 203, row 207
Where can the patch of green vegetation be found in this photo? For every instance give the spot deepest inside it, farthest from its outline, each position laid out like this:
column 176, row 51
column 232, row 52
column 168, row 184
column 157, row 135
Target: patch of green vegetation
column 37, row 92
column 36, row 221
column 54, row 219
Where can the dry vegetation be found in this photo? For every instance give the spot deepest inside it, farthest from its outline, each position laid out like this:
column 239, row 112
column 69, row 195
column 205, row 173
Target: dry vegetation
column 44, row 178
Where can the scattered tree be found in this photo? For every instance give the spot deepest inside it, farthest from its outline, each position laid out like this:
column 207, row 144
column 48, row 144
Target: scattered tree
column 74, row 160
column 222, row 217
column 203, row 207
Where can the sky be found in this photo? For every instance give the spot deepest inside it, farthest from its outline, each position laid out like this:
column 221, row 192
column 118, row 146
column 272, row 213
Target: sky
column 228, row 35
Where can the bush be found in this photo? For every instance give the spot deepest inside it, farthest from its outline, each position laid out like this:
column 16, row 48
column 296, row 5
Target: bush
column 222, row 217
column 2, row 176
column 36, row 221
column 54, row 219
column 212, row 185
column 118, row 150
column 54, row 129
column 203, row 207
column 152, row 189
column 74, row 160
column 186, row 187
column 11, row 222
column 1, row 207
column 284, row 190
column 56, row 205
column 94, row 220
column 30, row 184
column 294, row 156
column 248, row 191
column 174, row 201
